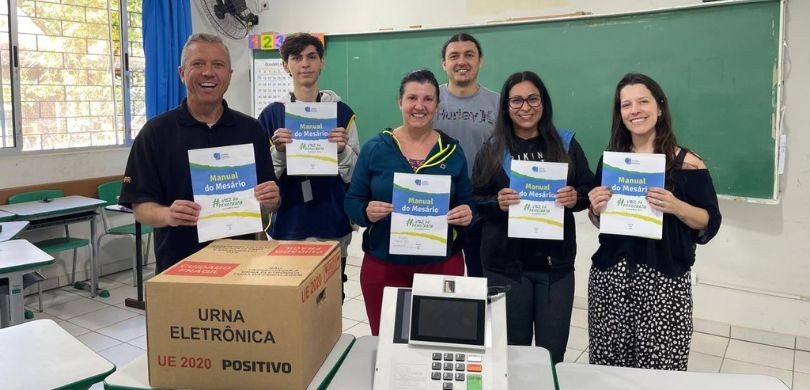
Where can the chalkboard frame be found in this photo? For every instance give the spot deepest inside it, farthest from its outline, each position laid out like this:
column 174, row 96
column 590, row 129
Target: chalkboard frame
column 724, row 88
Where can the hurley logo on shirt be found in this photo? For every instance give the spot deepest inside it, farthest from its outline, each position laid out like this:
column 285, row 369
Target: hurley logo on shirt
column 487, row 116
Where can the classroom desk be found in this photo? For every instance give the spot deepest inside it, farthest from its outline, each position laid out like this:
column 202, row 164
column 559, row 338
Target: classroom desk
column 11, row 229
column 62, row 211
column 529, row 367
column 41, row 355
column 574, row 376
column 17, row 258
column 6, row 216
column 135, row 375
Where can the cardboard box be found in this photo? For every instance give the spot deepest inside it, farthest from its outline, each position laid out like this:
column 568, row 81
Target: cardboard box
column 244, row 315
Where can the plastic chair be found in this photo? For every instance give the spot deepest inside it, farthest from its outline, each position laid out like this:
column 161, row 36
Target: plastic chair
column 108, row 192
column 52, row 245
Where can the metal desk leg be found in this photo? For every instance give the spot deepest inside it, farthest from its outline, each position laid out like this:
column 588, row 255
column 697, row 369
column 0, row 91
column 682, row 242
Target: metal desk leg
column 139, row 303
column 93, row 250
column 5, row 305
column 93, row 287
column 15, row 298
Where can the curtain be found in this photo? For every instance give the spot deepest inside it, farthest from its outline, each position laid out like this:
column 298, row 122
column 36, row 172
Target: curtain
column 166, row 26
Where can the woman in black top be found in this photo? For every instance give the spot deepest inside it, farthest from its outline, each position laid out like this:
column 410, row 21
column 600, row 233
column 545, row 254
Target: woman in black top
column 540, row 272
column 639, row 290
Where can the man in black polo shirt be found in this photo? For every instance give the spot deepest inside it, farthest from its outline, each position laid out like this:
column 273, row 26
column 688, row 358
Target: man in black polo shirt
column 157, row 181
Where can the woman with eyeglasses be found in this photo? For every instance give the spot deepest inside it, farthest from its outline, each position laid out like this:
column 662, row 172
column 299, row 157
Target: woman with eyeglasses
column 540, row 272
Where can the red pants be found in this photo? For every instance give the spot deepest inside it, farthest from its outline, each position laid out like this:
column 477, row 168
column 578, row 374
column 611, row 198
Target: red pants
column 376, row 274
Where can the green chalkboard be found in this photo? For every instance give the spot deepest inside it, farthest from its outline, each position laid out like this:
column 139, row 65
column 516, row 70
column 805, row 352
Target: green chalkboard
column 718, row 66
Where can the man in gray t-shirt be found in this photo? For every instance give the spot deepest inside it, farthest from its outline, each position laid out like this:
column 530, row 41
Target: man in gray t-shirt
column 467, row 112
column 469, row 119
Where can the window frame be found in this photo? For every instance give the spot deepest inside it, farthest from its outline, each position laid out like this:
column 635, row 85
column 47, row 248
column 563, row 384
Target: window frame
column 125, row 83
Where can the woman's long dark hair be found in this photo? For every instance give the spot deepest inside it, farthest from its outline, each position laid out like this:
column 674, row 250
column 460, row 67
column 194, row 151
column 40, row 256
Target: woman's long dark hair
column 503, row 136
column 620, row 138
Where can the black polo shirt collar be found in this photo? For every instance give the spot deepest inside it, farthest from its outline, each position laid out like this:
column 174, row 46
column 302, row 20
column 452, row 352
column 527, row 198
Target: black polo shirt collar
column 226, row 120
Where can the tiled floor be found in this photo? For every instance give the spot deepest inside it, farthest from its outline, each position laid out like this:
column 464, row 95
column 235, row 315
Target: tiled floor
column 715, row 353
column 118, row 332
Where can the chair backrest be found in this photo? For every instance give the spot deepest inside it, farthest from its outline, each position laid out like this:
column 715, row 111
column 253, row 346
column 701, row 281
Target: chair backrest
column 109, row 192
column 35, row 195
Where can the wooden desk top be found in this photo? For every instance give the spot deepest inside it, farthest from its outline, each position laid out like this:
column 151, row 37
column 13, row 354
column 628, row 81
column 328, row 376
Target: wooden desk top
column 41, row 355
column 11, row 229
column 529, row 367
column 41, row 209
column 18, row 255
column 593, row 377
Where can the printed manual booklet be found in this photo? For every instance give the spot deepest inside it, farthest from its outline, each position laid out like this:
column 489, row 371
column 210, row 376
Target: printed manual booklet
column 223, row 179
column 419, row 219
column 629, row 176
column 537, row 215
column 310, row 152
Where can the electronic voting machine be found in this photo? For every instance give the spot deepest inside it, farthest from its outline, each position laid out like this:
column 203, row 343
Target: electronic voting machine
column 444, row 333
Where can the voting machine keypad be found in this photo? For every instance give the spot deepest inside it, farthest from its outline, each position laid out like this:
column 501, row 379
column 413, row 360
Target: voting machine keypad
column 454, row 369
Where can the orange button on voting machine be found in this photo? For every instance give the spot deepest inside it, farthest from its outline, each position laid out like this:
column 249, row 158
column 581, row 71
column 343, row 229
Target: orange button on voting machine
column 474, row 367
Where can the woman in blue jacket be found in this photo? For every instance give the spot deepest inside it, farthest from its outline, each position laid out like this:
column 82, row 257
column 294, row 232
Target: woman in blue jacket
column 413, row 147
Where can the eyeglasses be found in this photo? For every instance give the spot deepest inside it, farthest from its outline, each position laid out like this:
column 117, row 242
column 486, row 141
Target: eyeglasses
column 516, row 102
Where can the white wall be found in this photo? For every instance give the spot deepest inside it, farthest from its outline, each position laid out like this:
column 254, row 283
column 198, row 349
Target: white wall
column 761, row 248
column 25, row 169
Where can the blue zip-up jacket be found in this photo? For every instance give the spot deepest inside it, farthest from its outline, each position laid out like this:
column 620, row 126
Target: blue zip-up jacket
column 323, row 215
column 373, row 179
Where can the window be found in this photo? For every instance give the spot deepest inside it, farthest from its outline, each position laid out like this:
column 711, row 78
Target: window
column 71, row 76
column 6, row 108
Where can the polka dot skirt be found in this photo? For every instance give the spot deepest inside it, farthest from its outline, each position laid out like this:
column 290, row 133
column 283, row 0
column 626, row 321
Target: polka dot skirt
column 637, row 317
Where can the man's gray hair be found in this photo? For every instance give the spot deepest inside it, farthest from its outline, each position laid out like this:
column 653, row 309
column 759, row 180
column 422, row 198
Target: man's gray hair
column 203, row 37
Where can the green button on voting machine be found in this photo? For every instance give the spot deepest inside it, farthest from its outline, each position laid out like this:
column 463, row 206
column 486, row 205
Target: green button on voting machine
column 473, row 382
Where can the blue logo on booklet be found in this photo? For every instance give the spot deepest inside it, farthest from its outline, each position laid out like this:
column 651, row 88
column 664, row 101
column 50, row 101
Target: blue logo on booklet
column 631, row 161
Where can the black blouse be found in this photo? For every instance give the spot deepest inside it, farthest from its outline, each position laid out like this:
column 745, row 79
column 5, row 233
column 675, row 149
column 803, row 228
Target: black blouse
column 674, row 254
column 514, row 255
